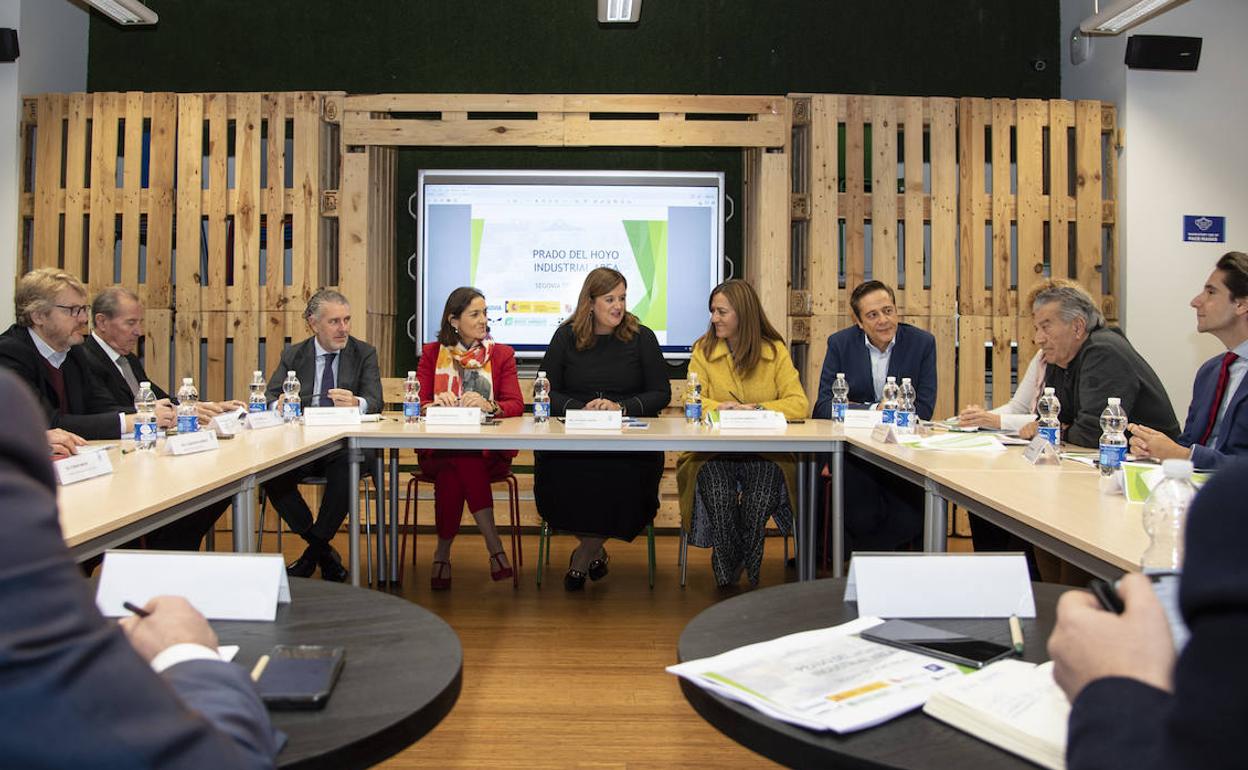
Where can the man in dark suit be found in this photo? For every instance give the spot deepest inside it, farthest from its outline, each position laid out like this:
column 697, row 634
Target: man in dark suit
column 1217, row 420
column 882, row 512
column 110, row 353
column 44, row 350
column 1090, row 362
column 1132, row 705
column 334, row 369
column 76, row 692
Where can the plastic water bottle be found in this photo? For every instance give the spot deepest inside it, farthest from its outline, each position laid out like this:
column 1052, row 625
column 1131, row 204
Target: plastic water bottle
column 904, row 420
column 256, row 402
column 411, row 399
column 145, row 417
column 888, row 404
column 541, row 398
column 1049, row 427
column 1113, row 438
column 188, row 413
column 291, row 406
column 840, row 398
column 1165, row 517
column 693, row 400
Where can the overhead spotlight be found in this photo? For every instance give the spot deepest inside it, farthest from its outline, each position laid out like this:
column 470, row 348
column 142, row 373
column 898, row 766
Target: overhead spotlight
column 619, row 11
column 130, row 13
column 1124, row 14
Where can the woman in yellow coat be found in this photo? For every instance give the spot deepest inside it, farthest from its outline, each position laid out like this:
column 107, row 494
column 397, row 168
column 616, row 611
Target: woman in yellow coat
column 726, row 499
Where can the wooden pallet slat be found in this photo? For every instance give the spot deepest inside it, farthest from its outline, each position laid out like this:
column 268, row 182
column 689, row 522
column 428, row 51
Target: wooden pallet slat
column 855, row 212
column 973, row 298
column 944, row 208
column 1004, row 301
column 132, row 183
column 189, row 202
column 213, row 288
column 916, row 297
column 883, row 192
column 157, row 290
column 244, row 300
column 1061, row 118
column 305, row 211
column 47, row 226
column 1088, row 196
column 102, row 229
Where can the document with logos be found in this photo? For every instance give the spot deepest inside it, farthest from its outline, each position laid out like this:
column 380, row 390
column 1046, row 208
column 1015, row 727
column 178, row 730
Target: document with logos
column 826, row 679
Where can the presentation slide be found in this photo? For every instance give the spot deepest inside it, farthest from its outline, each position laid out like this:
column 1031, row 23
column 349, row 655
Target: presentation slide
column 528, row 247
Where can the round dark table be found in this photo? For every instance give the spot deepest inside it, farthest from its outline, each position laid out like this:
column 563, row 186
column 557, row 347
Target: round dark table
column 400, row 678
column 914, row 740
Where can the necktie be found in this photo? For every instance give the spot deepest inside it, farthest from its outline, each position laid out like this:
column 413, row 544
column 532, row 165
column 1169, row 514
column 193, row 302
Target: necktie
column 327, row 380
column 1223, row 376
column 127, row 373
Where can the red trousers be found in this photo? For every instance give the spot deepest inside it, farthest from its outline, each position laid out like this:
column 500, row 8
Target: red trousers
column 458, row 478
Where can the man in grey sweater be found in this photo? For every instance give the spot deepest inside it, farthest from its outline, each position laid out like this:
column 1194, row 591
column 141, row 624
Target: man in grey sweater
column 1091, row 362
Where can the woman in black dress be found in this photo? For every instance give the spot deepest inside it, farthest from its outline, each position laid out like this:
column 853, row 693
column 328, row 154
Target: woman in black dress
column 601, row 358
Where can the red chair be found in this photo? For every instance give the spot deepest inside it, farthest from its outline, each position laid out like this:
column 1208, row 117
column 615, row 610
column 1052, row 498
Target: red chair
column 513, row 494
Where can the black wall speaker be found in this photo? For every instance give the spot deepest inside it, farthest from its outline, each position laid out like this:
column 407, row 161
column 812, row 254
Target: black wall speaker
column 8, row 44
column 1163, row 52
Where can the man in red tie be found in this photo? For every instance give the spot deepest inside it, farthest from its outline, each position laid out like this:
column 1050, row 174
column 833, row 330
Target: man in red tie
column 1217, row 421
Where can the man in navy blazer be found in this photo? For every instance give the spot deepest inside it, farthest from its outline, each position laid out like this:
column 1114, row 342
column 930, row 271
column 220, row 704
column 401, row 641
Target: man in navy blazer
column 76, row 693
column 1217, row 420
column 1133, row 705
column 882, row 512
column 334, row 369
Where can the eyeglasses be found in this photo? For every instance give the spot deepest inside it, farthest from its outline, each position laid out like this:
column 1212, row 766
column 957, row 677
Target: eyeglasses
column 74, row 310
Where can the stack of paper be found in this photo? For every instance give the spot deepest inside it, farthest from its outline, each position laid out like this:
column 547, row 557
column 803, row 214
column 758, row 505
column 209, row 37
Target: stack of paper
column 828, row 679
column 957, row 442
column 1011, row 704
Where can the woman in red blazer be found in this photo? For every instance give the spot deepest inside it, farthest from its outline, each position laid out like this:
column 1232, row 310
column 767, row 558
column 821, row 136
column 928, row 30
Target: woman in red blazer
column 467, row 368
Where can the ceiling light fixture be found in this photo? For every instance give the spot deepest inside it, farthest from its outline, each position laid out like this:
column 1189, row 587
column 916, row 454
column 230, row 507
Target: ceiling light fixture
column 1124, row 14
column 125, row 12
column 619, row 11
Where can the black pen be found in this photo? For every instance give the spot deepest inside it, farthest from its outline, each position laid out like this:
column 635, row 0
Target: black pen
column 735, row 397
column 136, row 609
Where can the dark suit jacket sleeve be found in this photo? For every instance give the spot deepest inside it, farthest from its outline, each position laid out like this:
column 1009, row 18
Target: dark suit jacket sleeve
column 369, row 382
column 284, row 364
column 1103, row 374
column 75, row 692
column 1123, row 723
column 506, row 384
column 926, row 384
column 831, row 365
column 1232, row 434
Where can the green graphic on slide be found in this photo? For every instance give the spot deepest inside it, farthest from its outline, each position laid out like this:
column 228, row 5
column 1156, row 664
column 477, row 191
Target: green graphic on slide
column 649, row 241
column 478, row 227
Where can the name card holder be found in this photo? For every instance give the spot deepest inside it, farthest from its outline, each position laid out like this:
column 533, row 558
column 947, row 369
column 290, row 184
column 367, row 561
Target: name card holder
column 327, row 416
column 269, row 418
column 222, row 586
column 593, row 419
column 82, row 466
column 191, row 443
column 228, row 424
column 453, row 415
column 1040, row 451
column 753, row 419
column 940, row 585
column 885, row 433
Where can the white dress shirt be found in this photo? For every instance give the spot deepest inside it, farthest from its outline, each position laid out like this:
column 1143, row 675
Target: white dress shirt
column 1019, row 411
column 320, row 371
column 111, row 351
column 879, row 364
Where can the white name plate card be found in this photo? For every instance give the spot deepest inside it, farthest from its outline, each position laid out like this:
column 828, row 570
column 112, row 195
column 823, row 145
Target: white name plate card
column 940, row 585
column 593, row 419
column 269, row 418
column 82, row 466
column 326, row 416
column 862, row 418
column 453, row 415
column 755, row 419
column 884, row 433
column 228, row 424
column 191, row 443
column 222, row 586
column 1041, row 451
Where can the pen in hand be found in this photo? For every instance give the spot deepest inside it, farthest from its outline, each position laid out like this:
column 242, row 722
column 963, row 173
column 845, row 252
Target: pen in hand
column 136, row 609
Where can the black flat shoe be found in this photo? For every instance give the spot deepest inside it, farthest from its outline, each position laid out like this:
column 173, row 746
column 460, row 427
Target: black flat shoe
column 304, row 566
column 574, row 580
column 598, row 567
column 331, row 566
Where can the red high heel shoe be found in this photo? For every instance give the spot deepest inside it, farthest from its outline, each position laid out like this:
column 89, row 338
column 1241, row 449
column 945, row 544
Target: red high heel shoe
column 503, row 572
column 440, row 580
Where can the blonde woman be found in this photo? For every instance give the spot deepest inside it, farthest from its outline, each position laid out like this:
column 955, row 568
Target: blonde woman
column 725, row 500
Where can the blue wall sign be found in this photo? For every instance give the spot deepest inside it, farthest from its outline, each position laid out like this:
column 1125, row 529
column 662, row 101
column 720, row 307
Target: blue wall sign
column 1201, row 228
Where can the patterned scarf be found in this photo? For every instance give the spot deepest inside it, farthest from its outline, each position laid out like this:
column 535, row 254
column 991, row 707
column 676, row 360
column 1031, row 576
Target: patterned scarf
column 460, row 370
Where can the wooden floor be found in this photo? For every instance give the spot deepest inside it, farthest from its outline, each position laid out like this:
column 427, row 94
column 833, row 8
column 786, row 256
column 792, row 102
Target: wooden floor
column 571, row 680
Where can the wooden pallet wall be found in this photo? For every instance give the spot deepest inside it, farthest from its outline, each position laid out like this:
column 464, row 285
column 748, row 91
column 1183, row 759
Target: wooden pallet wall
column 963, row 205
column 115, row 182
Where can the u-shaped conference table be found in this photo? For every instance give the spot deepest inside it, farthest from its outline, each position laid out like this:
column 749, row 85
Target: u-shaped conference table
column 1057, row 506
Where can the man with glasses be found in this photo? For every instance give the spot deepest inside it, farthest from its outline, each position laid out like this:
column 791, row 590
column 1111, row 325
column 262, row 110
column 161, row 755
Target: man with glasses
column 41, row 348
